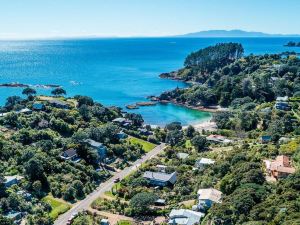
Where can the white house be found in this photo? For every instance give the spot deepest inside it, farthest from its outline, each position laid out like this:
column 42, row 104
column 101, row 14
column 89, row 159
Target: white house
column 207, row 197
column 203, row 162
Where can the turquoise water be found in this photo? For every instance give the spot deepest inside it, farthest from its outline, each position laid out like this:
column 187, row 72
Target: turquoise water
column 114, row 71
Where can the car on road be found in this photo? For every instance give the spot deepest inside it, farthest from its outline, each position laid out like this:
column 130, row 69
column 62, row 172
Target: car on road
column 116, row 180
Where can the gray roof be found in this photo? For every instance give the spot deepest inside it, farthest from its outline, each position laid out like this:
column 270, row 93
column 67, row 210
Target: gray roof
column 184, row 217
column 94, row 143
column 119, row 120
column 164, row 177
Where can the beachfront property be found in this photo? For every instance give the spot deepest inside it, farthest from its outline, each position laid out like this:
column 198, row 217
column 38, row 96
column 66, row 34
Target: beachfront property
column 279, row 168
column 99, row 147
column 214, row 138
column 11, row 180
column 203, row 162
column 184, row 217
column 207, row 197
column 160, row 179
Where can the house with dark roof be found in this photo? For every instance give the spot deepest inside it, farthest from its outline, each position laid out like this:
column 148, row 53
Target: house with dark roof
column 282, row 103
column 70, row 154
column 58, row 104
column 160, row 179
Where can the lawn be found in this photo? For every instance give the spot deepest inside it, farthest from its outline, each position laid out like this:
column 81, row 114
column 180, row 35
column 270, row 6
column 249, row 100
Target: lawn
column 147, row 146
column 58, row 206
column 124, row 222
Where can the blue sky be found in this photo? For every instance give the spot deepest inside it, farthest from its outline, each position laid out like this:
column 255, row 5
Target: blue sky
column 69, row 18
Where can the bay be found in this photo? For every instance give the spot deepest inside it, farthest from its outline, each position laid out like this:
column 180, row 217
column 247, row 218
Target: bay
column 114, row 71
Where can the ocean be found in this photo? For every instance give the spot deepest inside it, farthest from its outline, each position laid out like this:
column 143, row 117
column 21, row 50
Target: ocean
column 115, row 71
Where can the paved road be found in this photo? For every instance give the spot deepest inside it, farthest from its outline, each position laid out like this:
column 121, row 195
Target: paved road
column 106, row 186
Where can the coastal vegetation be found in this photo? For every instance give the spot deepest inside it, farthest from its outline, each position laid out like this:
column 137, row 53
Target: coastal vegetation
column 54, row 151
column 259, row 121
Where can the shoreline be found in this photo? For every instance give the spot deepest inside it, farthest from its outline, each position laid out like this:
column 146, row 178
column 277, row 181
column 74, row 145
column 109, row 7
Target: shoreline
column 212, row 109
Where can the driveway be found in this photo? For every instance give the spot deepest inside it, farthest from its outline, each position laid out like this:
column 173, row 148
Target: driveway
column 106, row 186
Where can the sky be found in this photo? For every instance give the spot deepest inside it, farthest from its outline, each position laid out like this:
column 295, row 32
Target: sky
column 23, row 19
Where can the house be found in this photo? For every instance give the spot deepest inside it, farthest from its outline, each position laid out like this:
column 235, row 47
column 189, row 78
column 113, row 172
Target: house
column 283, row 106
column 11, row 180
column 203, row 162
column 184, row 217
column 119, row 120
column 59, row 104
column 160, row 179
column 38, row 106
column 104, row 222
column 121, row 135
column 160, row 202
column 99, row 147
column 208, row 196
column 282, row 99
column 280, row 167
column 214, row 138
column 265, row 139
column 144, row 131
column 70, row 154
column 25, row 111
column 282, row 103
column 182, row 155
column 27, row 196
column 15, row 216
column 161, row 168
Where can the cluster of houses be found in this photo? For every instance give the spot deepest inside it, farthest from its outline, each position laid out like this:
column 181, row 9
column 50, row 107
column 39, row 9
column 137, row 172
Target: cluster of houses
column 9, row 181
column 282, row 103
column 206, row 198
column 279, row 168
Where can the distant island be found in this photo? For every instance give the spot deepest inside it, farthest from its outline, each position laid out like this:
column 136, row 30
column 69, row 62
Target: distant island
column 292, row 44
column 234, row 33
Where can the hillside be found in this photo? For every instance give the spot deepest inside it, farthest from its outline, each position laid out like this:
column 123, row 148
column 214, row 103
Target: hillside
column 234, row 33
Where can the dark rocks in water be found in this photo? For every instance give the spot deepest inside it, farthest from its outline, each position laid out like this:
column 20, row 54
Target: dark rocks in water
column 19, row 85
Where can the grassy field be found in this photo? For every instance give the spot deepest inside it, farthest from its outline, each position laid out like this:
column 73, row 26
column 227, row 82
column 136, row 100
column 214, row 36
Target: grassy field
column 58, row 206
column 147, row 146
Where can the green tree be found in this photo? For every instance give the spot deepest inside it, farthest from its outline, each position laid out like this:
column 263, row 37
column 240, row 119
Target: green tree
column 141, row 202
column 58, row 91
column 199, row 142
column 29, row 91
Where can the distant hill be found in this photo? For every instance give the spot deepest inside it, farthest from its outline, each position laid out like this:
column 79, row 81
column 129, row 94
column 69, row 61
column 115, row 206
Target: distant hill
column 234, row 33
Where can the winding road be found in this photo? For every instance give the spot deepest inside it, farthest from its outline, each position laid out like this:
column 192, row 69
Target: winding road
column 106, row 186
